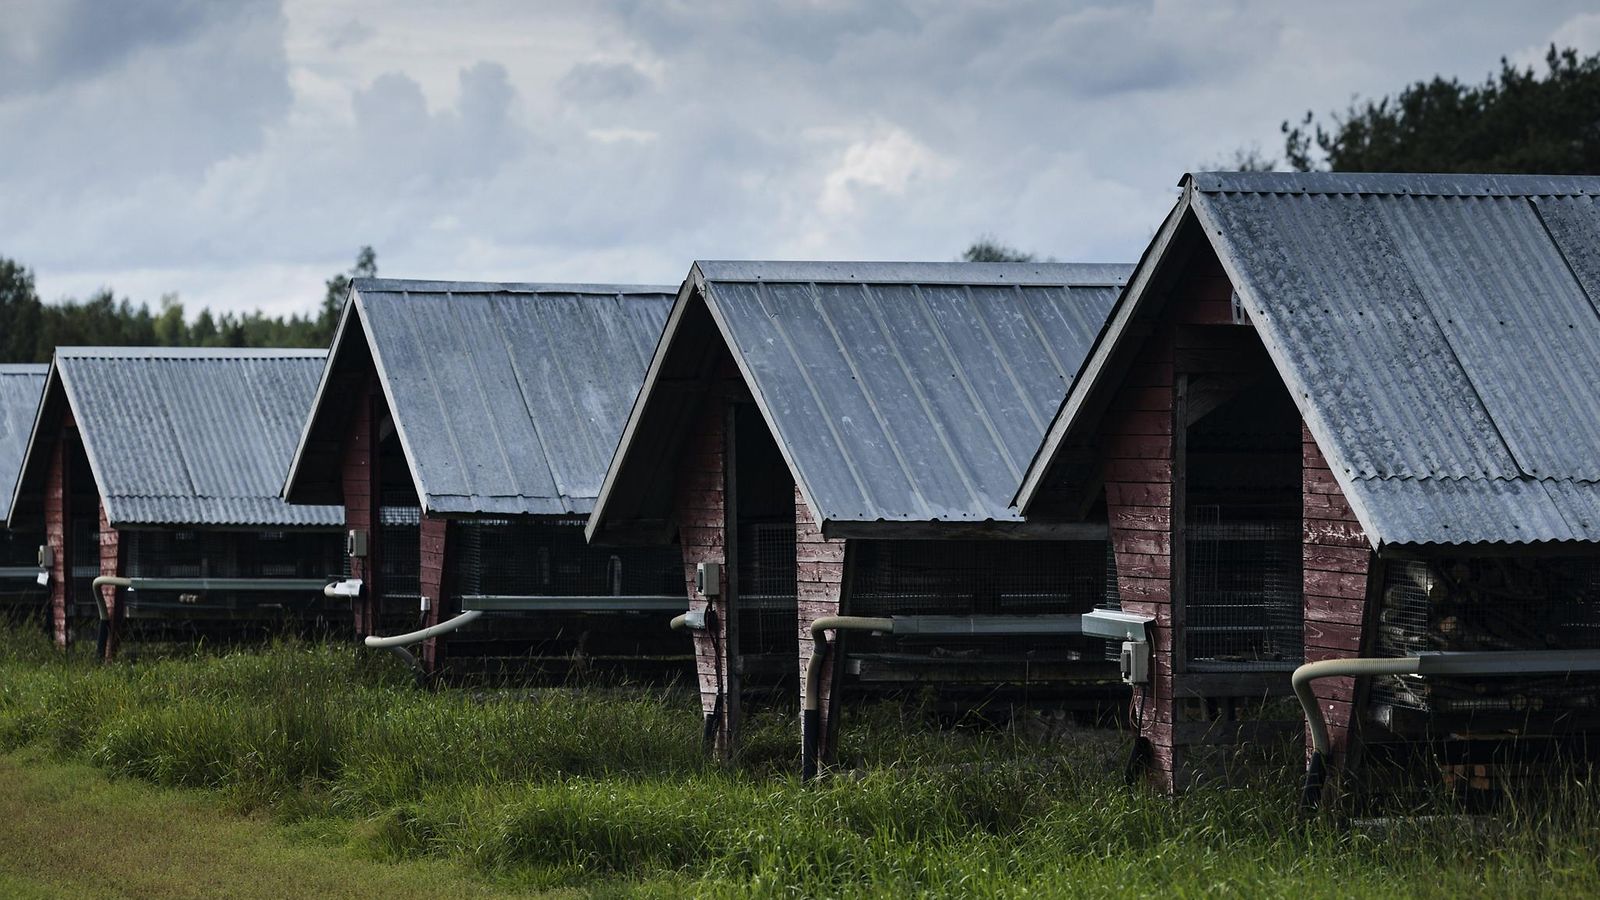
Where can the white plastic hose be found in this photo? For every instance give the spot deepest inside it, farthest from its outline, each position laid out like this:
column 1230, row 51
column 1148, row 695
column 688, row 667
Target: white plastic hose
column 415, row 637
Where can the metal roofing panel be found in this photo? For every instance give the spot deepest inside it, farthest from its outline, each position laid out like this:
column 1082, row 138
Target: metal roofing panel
column 21, row 386
column 1333, row 293
column 905, row 399
column 509, row 398
column 203, row 437
column 1441, row 333
column 1470, row 511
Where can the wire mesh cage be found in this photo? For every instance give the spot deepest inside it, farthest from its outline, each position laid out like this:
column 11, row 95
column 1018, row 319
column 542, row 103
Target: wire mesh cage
column 85, row 562
column 767, row 597
column 1244, row 608
column 266, row 555
column 983, row 579
column 550, row 558
column 1489, row 604
column 400, row 562
column 19, row 569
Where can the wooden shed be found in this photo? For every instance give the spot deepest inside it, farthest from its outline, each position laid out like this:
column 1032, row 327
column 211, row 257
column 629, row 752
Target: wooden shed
column 21, row 594
column 464, row 428
column 159, row 467
column 1350, row 415
column 827, row 438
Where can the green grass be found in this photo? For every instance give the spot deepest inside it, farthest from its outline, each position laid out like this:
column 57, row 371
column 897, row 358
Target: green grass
column 607, row 792
column 68, row 831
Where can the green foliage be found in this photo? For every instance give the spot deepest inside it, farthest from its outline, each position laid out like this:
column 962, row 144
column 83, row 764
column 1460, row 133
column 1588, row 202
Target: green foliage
column 31, row 329
column 987, row 248
column 1516, row 121
column 606, row 791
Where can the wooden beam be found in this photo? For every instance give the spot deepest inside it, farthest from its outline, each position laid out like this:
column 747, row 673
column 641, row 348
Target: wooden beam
column 949, row 531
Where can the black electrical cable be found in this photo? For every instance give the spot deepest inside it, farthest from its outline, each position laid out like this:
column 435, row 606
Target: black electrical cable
column 1139, row 752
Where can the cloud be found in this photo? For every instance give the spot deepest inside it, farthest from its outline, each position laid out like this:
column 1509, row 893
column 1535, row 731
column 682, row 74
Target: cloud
column 888, row 163
column 597, row 82
column 351, row 33
column 240, row 152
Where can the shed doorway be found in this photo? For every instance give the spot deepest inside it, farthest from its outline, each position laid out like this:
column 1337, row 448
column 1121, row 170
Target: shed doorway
column 761, row 553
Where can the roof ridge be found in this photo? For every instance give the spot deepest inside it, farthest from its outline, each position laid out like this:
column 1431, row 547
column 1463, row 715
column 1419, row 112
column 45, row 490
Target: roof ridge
column 430, row 286
column 227, row 353
column 1030, row 274
column 1416, row 184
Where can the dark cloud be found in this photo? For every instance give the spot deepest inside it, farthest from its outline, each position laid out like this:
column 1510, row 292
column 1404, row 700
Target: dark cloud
column 47, row 43
column 593, row 82
column 351, row 34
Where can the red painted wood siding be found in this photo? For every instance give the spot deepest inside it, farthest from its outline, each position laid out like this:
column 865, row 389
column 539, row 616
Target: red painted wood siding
column 56, row 518
column 1336, row 559
column 1137, row 466
column 819, row 586
column 111, row 565
column 702, row 538
column 435, row 541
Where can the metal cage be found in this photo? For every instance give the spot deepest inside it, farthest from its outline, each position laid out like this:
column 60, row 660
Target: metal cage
column 400, row 559
column 1244, row 608
column 266, row 555
column 766, row 600
column 520, row 561
column 1488, row 604
column 19, row 568
column 85, row 563
column 982, row 579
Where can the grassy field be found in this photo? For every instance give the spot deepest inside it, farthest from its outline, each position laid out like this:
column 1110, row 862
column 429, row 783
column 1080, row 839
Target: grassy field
column 606, row 792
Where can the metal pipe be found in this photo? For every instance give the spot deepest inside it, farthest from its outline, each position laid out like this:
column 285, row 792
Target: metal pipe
column 811, row 704
column 1438, row 664
column 413, row 637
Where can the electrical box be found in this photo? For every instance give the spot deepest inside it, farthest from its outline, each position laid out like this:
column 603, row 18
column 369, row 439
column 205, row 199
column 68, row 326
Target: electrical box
column 708, row 579
column 47, row 556
column 1135, row 661
column 355, row 543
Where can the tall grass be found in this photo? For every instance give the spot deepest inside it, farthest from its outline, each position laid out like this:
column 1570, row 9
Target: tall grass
column 607, row 790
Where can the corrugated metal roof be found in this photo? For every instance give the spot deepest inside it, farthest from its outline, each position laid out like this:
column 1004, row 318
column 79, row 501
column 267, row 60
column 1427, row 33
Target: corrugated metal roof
column 20, row 389
column 509, row 398
column 192, row 436
column 1440, row 334
column 903, row 392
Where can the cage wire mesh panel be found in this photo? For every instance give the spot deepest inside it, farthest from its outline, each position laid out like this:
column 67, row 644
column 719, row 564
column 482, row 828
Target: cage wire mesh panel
column 550, row 558
column 1489, row 604
column 767, row 600
column 982, row 578
column 1244, row 606
column 400, row 557
column 1243, row 598
column 19, row 567
column 85, row 561
column 207, row 553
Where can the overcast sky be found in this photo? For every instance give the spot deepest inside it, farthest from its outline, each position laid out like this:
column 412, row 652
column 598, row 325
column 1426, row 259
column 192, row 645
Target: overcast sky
column 238, row 153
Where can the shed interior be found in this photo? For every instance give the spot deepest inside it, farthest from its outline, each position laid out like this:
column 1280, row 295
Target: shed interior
column 1243, row 605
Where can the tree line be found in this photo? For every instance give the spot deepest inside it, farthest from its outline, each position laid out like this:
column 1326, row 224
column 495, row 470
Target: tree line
column 31, row 329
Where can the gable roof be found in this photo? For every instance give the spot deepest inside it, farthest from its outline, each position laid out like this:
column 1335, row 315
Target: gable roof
column 1438, row 332
column 507, row 398
column 179, row 436
column 897, row 392
column 20, row 389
